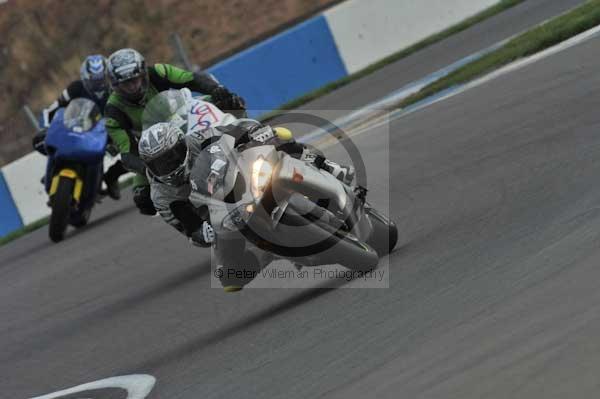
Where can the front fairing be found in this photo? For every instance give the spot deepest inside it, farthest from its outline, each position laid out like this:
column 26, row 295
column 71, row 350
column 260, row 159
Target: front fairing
column 81, row 152
column 233, row 188
column 65, row 144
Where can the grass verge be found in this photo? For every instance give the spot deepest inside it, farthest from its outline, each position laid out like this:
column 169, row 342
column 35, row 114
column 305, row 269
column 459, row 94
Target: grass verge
column 24, row 230
column 535, row 40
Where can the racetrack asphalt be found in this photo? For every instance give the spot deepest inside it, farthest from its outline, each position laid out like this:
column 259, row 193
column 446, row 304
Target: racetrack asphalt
column 492, row 293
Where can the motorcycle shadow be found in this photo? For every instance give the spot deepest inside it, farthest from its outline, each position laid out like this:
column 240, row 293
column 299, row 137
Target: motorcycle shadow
column 220, row 334
column 22, row 255
column 94, row 223
column 97, row 317
column 71, row 232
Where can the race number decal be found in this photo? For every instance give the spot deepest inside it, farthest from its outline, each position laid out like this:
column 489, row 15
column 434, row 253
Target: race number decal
column 204, row 115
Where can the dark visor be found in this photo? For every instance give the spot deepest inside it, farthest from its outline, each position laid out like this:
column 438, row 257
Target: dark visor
column 170, row 161
column 95, row 85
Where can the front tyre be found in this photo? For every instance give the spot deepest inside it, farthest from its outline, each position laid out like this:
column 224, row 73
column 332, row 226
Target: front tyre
column 237, row 266
column 81, row 218
column 61, row 207
column 384, row 235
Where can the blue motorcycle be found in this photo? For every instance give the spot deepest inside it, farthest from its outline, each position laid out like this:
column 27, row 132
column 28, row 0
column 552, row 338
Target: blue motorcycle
column 75, row 145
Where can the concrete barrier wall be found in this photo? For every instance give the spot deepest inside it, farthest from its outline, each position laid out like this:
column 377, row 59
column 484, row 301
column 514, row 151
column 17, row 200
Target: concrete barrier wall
column 366, row 31
column 23, row 178
column 323, row 49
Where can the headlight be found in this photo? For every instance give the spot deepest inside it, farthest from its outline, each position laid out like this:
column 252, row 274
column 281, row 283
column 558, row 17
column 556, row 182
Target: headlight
column 261, row 175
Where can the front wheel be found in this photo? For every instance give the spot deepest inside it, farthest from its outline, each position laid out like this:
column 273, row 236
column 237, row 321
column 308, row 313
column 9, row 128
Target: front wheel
column 236, row 266
column 61, row 207
column 81, row 218
column 384, row 235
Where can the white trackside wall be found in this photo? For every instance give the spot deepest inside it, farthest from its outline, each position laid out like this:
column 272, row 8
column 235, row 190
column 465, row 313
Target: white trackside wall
column 23, row 179
column 366, row 31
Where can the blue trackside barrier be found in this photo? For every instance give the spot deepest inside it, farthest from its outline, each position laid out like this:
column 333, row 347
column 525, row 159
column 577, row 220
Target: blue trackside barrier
column 10, row 220
column 283, row 67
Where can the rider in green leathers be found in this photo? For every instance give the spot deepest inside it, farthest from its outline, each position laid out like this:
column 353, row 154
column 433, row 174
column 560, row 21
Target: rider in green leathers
column 134, row 84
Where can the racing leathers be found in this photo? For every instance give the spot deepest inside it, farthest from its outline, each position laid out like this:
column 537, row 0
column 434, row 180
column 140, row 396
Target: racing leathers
column 172, row 201
column 124, row 118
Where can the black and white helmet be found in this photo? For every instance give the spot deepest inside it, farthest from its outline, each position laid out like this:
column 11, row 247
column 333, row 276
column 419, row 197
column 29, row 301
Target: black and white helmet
column 128, row 74
column 163, row 149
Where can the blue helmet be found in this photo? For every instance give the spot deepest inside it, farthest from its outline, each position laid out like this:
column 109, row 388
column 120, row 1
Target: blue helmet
column 93, row 75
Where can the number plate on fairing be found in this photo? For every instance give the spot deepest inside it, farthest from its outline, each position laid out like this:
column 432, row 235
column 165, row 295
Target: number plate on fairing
column 204, row 115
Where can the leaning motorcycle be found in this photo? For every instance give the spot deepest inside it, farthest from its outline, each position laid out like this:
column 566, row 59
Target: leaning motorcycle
column 75, row 145
column 265, row 204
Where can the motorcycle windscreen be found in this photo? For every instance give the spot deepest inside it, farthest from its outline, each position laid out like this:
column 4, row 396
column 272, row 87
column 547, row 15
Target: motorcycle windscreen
column 77, row 133
column 166, row 106
column 81, row 115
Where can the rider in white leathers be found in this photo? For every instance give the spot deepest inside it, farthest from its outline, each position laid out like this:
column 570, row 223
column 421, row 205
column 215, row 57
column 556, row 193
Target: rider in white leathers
column 169, row 154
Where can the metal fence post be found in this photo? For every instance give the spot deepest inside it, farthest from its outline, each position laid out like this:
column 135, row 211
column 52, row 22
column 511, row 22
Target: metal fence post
column 31, row 117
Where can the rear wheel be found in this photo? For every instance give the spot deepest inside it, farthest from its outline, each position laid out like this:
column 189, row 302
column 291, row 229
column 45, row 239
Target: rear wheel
column 385, row 233
column 61, row 207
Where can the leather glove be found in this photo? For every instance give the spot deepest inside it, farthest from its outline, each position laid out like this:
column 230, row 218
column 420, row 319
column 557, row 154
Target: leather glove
column 226, row 100
column 257, row 132
column 133, row 164
column 141, row 197
column 204, row 236
column 39, row 141
column 112, row 150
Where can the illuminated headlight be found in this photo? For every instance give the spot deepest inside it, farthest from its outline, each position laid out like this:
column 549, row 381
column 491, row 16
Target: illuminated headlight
column 261, row 175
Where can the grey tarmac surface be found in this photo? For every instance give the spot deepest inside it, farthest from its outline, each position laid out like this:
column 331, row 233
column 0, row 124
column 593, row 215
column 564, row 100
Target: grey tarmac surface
column 493, row 288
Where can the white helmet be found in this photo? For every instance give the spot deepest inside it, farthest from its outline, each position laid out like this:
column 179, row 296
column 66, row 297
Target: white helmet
column 164, row 150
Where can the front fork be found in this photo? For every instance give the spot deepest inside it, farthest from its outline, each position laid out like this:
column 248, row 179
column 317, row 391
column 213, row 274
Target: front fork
column 69, row 174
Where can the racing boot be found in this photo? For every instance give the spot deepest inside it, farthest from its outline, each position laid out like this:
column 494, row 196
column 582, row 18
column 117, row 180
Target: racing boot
column 112, row 187
column 111, row 178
